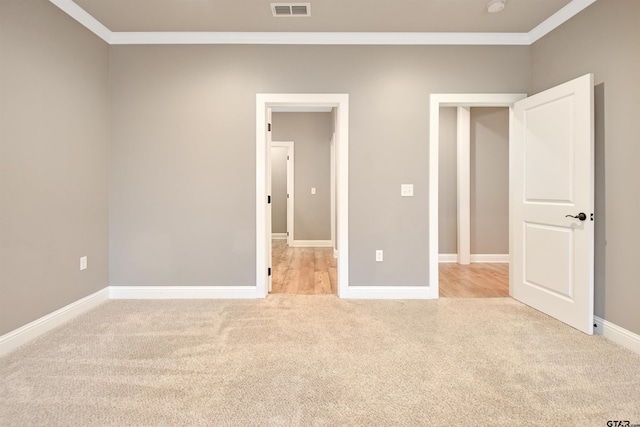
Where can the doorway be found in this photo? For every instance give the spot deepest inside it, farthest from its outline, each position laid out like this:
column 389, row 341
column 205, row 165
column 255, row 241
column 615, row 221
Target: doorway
column 464, row 101
column 282, row 190
column 474, row 202
column 264, row 105
column 302, row 254
column 551, row 178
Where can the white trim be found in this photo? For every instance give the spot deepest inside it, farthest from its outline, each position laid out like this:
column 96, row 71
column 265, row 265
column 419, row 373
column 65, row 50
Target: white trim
column 279, row 236
column 332, row 186
column 312, row 244
column 617, row 334
column 463, row 170
column 490, row 258
column 558, row 18
column 436, row 101
column 335, row 253
column 391, row 292
column 447, row 258
column 310, row 109
column 89, row 22
column 322, row 38
column 12, row 340
column 476, row 258
column 269, row 207
column 183, row 292
column 263, row 103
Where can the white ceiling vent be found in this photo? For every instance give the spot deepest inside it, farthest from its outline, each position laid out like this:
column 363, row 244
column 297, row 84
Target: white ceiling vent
column 291, row 10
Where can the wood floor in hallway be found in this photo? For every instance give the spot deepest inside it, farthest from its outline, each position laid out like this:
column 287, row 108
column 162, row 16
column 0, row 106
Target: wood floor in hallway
column 313, row 271
column 474, row 280
column 303, row 271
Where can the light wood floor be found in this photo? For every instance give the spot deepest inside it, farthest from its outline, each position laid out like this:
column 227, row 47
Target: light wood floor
column 312, row 271
column 303, row 271
column 474, row 280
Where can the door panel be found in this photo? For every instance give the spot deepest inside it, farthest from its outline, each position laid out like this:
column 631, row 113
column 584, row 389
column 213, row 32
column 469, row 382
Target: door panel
column 552, row 177
column 547, row 260
column 546, row 125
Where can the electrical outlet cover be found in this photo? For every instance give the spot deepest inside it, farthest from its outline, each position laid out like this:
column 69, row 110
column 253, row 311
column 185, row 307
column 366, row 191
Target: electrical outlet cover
column 406, row 190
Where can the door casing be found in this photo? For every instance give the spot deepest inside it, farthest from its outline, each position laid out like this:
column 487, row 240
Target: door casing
column 264, row 103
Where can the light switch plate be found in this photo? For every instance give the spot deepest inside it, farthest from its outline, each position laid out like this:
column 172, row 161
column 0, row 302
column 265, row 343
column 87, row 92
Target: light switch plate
column 406, row 190
column 379, row 256
column 83, row 263
column 313, row 190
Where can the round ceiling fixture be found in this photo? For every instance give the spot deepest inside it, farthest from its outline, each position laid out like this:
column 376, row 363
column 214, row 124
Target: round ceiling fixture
column 495, row 6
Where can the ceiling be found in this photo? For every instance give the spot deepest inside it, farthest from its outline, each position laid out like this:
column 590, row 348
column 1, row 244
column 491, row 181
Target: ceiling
column 109, row 17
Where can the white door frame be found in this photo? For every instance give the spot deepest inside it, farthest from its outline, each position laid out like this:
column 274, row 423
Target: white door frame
column 265, row 102
column 332, row 184
column 467, row 100
column 289, row 145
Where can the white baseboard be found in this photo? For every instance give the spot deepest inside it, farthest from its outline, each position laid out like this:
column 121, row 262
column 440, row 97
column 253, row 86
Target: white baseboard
column 617, row 334
column 493, row 258
column 390, row 292
column 28, row 332
column 279, row 236
column 311, row 244
column 476, row 258
column 335, row 253
column 183, row 292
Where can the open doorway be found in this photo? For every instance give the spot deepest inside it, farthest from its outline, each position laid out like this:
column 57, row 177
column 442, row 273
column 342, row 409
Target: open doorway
column 474, row 202
column 457, row 262
column 302, row 195
column 338, row 242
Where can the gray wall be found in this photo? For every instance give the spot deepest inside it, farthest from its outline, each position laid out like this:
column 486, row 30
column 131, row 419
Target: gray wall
column 311, row 134
column 279, row 189
column 182, row 182
column 53, row 161
column 489, row 181
column 604, row 39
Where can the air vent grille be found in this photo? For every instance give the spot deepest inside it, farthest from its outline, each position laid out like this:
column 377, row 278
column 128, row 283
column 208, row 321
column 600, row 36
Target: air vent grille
column 299, row 10
column 291, row 9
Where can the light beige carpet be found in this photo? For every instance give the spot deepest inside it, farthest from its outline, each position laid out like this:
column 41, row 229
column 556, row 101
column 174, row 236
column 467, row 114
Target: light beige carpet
column 318, row 360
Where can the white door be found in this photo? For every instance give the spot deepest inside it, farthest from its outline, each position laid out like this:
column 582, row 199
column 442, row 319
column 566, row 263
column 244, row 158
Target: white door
column 552, row 177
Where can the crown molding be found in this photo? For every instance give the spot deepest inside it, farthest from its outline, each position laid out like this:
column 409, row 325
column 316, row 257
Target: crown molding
column 329, row 38
column 80, row 15
column 322, row 38
column 558, row 18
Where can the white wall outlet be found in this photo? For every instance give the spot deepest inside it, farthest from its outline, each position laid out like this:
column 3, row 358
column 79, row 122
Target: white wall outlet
column 406, row 190
column 83, row 263
column 379, row 255
column 313, row 190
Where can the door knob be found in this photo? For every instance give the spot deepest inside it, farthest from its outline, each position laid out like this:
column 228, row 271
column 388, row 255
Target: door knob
column 581, row 216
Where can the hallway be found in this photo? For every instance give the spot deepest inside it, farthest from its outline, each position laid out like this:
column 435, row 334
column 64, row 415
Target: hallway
column 303, row 271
